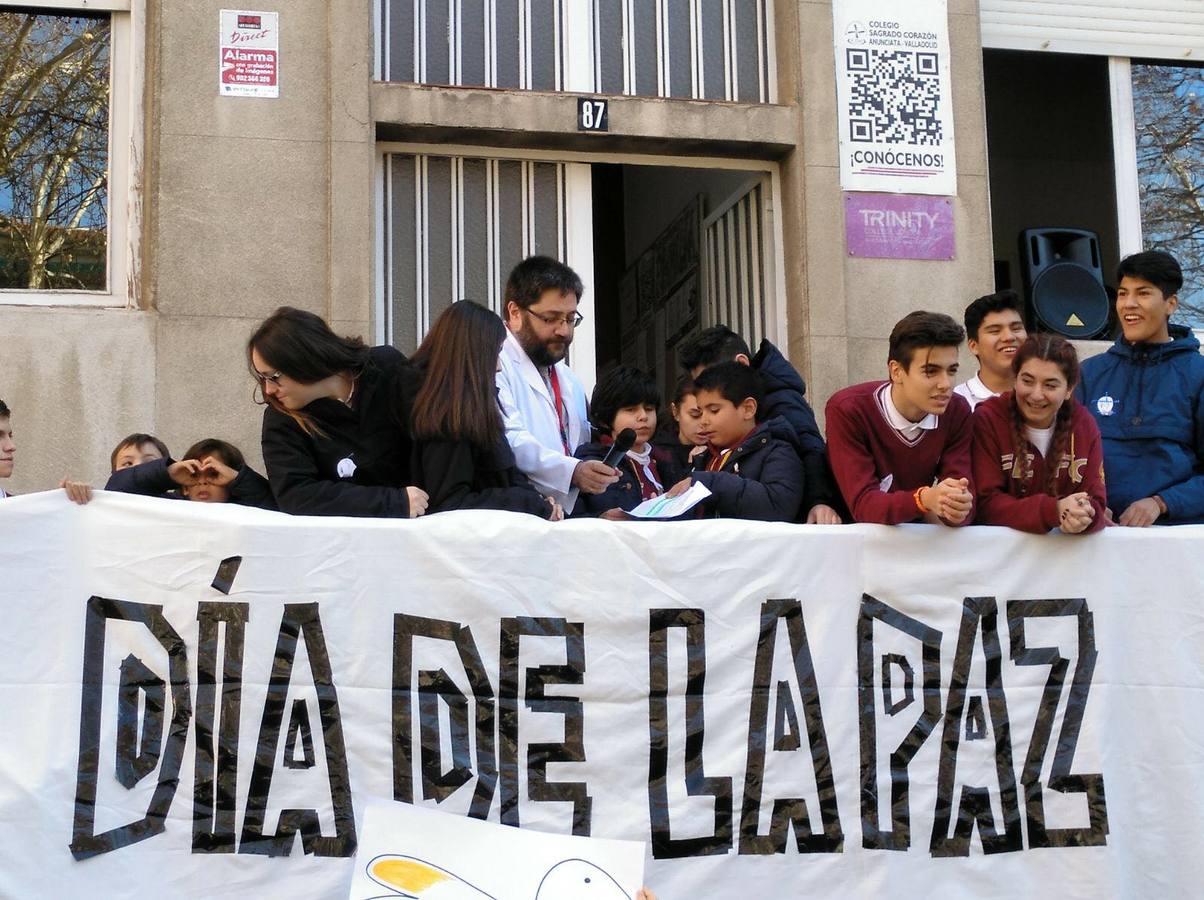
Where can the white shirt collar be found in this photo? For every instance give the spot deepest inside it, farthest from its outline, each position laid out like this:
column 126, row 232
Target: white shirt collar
column 909, row 429
column 979, row 390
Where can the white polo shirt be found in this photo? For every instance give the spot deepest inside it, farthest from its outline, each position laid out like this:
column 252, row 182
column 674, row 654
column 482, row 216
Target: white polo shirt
column 974, row 391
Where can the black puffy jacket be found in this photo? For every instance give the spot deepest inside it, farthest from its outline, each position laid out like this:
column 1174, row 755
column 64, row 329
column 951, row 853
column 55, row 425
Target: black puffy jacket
column 761, row 479
column 785, row 396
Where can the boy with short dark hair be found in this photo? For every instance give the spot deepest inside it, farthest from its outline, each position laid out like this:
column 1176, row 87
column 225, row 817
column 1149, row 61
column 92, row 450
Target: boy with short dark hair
column 7, row 448
column 753, row 470
column 1147, row 396
column 212, row 471
column 784, row 394
column 135, row 449
column 624, row 398
column 994, row 332
column 901, row 449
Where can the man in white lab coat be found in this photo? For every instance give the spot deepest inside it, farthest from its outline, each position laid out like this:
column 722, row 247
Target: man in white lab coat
column 543, row 402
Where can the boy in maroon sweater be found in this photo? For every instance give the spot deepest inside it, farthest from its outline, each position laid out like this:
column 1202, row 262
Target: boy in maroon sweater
column 900, row 449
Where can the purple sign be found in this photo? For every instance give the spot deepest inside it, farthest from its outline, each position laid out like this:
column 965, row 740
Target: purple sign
column 899, row 226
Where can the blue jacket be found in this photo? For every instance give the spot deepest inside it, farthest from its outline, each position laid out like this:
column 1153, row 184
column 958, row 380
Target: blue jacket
column 785, row 396
column 1148, row 400
column 761, row 479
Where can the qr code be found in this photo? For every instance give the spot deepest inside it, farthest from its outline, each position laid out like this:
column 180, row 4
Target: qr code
column 894, row 96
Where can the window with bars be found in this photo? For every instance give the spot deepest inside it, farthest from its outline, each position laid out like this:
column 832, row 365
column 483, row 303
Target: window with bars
column 455, row 226
column 697, row 49
column 734, row 269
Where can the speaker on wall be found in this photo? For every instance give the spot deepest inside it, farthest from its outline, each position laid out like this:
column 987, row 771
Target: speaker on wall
column 1064, row 281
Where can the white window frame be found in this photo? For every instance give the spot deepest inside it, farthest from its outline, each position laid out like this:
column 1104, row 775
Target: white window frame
column 579, row 242
column 124, row 213
column 1124, row 155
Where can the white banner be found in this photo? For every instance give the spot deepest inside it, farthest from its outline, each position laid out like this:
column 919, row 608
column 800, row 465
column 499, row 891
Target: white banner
column 894, row 96
column 777, row 710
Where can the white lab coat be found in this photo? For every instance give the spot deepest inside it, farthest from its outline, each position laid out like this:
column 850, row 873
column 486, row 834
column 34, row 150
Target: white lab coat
column 532, row 426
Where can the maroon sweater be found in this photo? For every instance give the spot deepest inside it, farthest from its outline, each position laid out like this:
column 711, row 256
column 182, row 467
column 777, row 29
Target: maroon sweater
column 864, row 449
column 997, row 473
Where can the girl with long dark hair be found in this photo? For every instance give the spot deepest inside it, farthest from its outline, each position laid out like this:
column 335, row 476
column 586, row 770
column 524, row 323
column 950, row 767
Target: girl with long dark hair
column 460, row 456
column 1038, row 457
column 334, row 431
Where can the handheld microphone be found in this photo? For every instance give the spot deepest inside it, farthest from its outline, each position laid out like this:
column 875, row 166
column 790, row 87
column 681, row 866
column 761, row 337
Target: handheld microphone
column 624, row 441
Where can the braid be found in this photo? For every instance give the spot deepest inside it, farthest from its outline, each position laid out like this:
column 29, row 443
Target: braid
column 1019, row 443
column 1058, row 447
column 1049, row 348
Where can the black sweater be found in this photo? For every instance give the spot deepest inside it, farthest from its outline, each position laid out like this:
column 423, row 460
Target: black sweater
column 460, row 475
column 368, row 442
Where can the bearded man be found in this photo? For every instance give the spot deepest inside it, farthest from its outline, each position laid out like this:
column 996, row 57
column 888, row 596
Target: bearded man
column 543, row 403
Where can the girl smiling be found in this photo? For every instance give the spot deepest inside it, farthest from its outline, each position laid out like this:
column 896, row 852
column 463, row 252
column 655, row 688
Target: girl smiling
column 1038, row 457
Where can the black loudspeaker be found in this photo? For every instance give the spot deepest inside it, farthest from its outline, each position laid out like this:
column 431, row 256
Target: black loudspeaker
column 1064, row 281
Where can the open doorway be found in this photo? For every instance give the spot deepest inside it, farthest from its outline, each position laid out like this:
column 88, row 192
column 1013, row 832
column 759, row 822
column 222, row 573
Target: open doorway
column 676, row 250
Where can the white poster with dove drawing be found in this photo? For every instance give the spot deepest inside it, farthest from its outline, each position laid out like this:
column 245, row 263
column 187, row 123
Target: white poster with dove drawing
column 411, row 852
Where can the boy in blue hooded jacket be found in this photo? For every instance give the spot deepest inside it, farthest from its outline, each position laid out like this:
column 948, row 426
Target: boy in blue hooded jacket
column 1147, row 396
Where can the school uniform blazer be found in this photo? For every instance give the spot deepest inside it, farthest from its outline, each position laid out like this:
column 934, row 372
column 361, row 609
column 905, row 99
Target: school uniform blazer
column 151, row 479
column 359, row 465
column 532, row 425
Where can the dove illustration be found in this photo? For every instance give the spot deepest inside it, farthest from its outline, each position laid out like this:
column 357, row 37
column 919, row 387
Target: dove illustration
column 408, row 876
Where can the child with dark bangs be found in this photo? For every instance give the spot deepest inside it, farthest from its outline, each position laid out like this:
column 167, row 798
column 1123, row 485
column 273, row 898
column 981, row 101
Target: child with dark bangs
column 625, row 398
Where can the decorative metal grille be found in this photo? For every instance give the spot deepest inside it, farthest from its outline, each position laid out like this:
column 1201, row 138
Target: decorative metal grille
column 455, row 226
column 698, row 49
column 734, row 267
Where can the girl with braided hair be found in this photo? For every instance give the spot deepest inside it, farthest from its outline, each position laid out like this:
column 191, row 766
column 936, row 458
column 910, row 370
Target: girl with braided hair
column 1038, row 457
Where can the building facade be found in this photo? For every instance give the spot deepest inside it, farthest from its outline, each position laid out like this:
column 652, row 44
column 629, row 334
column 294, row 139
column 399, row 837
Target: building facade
column 418, row 148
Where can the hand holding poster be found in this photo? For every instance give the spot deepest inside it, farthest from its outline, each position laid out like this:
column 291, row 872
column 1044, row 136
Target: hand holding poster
column 777, row 710
column 894, row 98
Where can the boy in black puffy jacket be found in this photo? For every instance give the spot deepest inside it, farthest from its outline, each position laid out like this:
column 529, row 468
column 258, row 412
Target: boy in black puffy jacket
column 783, row 395
column 752, row 470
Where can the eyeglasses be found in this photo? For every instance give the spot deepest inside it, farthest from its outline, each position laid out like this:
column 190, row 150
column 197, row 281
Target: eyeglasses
column 274, row 377
column 572, row 320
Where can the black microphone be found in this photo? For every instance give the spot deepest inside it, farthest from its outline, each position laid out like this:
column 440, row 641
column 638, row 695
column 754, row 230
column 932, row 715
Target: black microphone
column 623, row 442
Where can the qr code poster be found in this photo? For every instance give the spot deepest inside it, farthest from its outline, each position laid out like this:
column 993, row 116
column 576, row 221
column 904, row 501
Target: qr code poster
column 895, row 108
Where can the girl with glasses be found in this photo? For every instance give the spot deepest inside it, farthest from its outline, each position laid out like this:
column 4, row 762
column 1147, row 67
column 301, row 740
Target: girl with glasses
column 335, row 441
